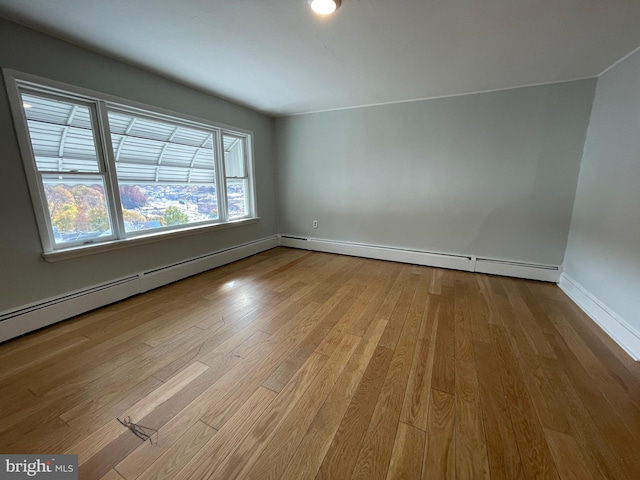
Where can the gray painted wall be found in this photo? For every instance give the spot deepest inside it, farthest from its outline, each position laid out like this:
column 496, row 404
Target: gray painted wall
column 490, row 174
column 603, row 253
column 25, row 276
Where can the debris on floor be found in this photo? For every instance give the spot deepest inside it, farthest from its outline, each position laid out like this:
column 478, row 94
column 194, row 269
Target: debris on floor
column 140, row 431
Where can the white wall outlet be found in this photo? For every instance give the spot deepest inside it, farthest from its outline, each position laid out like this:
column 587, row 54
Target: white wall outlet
column 315, row 224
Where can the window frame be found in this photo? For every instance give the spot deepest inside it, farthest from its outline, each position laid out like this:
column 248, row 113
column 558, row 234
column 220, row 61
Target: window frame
column 99, row 104
column 248, row 169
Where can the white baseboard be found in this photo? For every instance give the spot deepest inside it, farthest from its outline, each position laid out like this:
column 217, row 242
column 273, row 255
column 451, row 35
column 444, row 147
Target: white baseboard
column 543, row 273
column 616, row 327
column 41, row 314
column 546, row 273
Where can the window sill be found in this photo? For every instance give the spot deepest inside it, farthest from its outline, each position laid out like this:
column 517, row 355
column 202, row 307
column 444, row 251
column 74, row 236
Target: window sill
column 75, row 252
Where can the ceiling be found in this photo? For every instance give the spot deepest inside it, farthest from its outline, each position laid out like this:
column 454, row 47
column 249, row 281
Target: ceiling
column 276, row 56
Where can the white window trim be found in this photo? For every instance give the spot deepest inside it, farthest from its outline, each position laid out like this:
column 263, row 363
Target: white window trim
column 14, row 79
column 157, row 236
column 248, row 166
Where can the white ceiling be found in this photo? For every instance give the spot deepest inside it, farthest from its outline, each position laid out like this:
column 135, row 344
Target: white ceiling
column 279, row 58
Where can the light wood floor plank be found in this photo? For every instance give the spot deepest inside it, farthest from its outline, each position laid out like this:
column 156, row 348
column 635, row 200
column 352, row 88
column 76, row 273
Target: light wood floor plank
column 534, row 450
column 174, row 417
column 396, row 320
column 443, row 376
column 502, row 448
column 375, row 453
column 169, row 464
column 479, row 310
column 287, row 436
column 350, row 434
column 309, row 455
column 109, row 432
column 112, row 475
column 612, row 426
column 471, row 450
column 406, row 458
column 462, row 319
column 383, row 284
column 440, row 451
column 264, row 428
column 601, row 459
column 568, row 457
column 215, row 451
column 416, row 399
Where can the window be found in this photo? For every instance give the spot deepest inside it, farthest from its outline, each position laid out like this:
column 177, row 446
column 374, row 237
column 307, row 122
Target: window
column 102, row 170
column 236, row 174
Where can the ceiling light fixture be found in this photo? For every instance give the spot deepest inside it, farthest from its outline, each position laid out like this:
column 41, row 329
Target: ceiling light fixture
column 324, row 7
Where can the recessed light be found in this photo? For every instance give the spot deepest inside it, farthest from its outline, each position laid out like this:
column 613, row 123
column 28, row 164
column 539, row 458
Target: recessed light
column 324, row 7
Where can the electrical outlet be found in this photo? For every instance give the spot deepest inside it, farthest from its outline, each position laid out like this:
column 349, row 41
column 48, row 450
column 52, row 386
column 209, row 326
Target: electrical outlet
column 315, row 224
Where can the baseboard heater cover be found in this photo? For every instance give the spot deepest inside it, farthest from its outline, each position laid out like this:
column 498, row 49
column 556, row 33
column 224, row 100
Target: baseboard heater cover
column 37, row 315
column 546, row 273
column 171, row 273
column 416, row 257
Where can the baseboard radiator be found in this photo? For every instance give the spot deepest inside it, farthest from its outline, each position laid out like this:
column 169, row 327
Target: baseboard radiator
column 508, row 268
column 41, row 314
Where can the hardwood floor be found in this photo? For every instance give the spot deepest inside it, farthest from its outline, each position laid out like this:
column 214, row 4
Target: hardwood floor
column 295, row 364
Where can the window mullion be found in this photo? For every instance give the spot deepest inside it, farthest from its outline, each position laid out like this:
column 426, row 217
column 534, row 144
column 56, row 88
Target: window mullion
column 221, row 181
column 115, row 205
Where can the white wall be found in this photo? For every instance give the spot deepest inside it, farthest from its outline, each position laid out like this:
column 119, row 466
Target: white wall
column 25, row 276
column 490, row 174
column 603, row 252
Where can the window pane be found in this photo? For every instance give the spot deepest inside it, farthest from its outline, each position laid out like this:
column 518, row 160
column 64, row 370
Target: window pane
column 234, row 163
column 61, row 134
column 77, row 207
column 237, row 198
column 151, row 206
column 125, row 123
column 166, row 172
